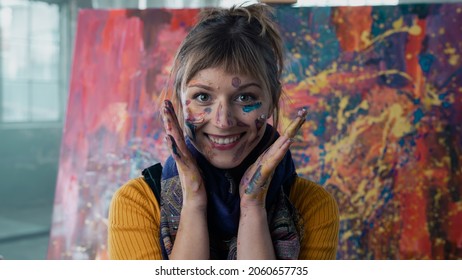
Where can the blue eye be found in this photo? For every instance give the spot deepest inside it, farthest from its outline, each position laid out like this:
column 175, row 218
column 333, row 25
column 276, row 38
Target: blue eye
column 245, row 98
column 202, row 97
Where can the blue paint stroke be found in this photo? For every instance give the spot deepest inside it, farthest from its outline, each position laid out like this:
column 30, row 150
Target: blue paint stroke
column 250, row 108
column 426, row 62
column 418, row 115
column 192, row 128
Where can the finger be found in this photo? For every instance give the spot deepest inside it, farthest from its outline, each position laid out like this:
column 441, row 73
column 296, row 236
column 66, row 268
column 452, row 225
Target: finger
column 276, row 153
column 296, row 124
column 173, row 147
column 173, row 127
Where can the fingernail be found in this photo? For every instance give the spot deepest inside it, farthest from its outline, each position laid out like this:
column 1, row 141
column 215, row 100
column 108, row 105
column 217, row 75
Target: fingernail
column 301, row 112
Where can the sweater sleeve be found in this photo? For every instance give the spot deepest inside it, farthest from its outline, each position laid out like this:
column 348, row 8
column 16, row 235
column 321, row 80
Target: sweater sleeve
column 133, row 223
column 320, row 220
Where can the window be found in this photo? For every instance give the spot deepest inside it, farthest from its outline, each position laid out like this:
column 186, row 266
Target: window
column 29, row 62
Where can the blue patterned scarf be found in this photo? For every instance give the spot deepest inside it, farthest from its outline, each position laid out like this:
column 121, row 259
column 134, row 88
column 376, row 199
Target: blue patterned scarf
column 223, row 200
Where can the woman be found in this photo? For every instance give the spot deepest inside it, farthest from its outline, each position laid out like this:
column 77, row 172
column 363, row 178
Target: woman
column 229, row 190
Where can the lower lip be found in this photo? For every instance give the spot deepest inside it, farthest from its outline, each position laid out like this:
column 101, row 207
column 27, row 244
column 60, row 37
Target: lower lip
column 224, row 147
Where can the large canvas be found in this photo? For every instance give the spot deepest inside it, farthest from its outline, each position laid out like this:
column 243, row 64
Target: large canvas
column 383, row 87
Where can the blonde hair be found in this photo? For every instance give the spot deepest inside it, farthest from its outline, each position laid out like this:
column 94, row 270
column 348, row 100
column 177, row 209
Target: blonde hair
column 242, row 40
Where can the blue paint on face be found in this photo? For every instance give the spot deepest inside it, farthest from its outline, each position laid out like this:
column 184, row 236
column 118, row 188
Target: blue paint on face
column 250, row 108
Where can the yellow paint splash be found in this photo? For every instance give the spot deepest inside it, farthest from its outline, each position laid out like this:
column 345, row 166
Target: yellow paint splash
column 454, row 59
column 398, row 27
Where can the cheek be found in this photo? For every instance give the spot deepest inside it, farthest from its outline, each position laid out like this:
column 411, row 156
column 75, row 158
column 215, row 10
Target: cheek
column 255, row 120
column 194, row 115
column 194, row 118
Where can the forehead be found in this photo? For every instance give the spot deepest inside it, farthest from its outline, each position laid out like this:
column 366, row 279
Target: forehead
column 218, row 75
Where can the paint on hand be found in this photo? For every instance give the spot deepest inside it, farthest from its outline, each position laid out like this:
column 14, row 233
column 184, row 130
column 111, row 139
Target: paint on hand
column 192, row 128
column 236, row 82
column 166, row 119
column 168, row 104
column 174, row 146
column 250, row 108
column 254, row 181
column 302, row 112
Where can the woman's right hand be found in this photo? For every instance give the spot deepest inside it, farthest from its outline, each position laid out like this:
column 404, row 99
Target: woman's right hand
column 192, row 184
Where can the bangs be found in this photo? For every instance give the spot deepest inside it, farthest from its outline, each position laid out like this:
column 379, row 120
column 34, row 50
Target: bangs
column 234, row 55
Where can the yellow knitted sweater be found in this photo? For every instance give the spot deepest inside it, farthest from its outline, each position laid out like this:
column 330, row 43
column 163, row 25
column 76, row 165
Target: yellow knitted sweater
column 134, row 219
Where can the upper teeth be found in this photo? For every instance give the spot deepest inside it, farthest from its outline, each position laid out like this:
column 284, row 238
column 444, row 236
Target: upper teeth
column 224, row 140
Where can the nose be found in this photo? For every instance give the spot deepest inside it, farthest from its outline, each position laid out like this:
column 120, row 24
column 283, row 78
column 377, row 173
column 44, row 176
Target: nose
column 224, row 117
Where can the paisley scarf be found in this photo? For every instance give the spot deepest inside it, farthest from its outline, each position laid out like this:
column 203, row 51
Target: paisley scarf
column 223, row 201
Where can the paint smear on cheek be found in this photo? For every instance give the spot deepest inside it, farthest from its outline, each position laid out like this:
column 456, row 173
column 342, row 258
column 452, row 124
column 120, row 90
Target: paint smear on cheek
column 250, row 108
column 259, row 123
column 236, row 82
column 257, row 137
column 229, row 119
column 194, row 118
column 208, row 110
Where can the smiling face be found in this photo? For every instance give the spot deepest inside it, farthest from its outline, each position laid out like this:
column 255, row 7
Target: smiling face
column 225, row 115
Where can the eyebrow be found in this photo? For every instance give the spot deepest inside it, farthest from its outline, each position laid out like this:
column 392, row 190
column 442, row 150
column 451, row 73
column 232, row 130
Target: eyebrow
column 244, row 86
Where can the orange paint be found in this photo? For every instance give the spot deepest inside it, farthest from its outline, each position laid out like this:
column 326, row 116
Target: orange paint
column 351, row 23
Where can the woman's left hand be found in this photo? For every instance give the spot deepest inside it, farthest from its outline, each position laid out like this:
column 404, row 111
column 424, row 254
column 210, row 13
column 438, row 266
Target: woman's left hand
column 256, row 180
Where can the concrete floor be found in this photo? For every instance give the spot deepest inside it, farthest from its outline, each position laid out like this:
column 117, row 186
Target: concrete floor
column 24, row 233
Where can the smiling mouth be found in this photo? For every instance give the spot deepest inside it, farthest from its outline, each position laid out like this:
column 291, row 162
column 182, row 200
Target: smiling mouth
column 224, row 140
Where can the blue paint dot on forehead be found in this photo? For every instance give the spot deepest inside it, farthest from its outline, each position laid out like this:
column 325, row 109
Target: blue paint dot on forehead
column 250, row 108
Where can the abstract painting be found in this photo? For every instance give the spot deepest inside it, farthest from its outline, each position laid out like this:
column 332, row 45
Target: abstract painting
column 383, row 87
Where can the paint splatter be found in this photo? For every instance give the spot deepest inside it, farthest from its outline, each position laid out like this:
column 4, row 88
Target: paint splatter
column 192, row 130
column 254, row 181
column 250, row 108
column 259, row 123
column 229, row 119
column 208, row 110
column 218, row 114
column 236, row 82
column 174, row 146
